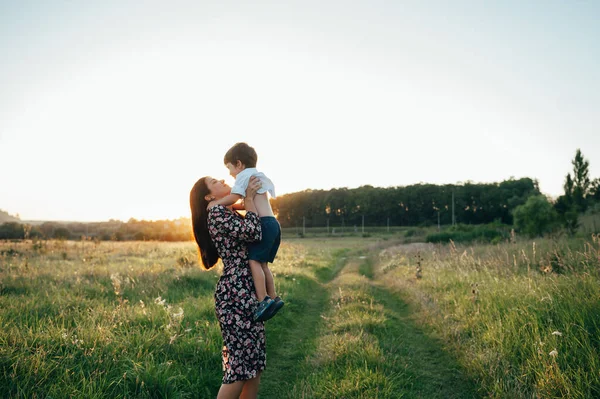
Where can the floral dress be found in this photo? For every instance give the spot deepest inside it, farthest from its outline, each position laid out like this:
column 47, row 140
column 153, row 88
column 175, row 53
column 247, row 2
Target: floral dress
column 244, row 354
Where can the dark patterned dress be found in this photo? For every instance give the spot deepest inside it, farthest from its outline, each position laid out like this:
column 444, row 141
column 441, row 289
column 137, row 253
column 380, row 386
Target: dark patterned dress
column 244, row 353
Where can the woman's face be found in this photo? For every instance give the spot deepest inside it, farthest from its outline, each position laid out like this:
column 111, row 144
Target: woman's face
column 217, row 188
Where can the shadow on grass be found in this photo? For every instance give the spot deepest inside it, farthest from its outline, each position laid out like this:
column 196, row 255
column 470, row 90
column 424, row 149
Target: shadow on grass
column 431, row 372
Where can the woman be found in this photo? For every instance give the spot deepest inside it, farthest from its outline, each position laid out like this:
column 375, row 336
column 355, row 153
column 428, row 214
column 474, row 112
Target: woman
column 223, row 233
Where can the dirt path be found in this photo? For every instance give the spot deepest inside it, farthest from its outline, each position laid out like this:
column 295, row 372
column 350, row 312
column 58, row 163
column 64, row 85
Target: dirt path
column 353, row 337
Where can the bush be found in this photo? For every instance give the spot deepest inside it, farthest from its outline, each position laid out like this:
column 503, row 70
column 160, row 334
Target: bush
column 493, row 232
column 62, row 233
column 12, row 230
column 536, row 217
column 410, row 233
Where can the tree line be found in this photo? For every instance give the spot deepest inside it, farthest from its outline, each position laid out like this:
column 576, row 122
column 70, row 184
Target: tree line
column 413, row 205
column 511, row 202
column 112, row 230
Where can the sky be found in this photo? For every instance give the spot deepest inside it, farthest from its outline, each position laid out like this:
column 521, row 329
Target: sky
column 113, row 109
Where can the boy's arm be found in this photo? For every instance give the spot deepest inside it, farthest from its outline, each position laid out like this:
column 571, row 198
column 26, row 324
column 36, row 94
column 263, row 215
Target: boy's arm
column 227, row 200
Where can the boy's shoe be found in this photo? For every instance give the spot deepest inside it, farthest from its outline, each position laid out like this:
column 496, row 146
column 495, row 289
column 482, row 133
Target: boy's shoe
column 262, row 308
column 277, row 304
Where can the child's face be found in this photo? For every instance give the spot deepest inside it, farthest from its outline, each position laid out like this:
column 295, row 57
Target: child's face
column 234, row 169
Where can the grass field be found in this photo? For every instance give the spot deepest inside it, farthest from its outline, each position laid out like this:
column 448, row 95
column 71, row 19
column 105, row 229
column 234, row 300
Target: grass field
column 125, row 320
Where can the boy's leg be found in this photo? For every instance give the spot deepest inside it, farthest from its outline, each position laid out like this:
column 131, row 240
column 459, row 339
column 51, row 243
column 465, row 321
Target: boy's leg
column 277, row 302
column 270, row 284
column 258, row 275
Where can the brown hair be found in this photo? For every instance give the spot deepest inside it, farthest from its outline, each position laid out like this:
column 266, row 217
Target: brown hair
column 241, row 152
column 207, row 251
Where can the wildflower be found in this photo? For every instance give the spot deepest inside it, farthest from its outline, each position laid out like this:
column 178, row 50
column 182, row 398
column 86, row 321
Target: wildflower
column 116, row 282
column 178, row 315
column 160, row 301
column 554, row 353
column 173, row 338
column 557, row 333
column 142, row 304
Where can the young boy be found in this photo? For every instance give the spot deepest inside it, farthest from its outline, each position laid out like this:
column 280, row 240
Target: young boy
column 241, row 162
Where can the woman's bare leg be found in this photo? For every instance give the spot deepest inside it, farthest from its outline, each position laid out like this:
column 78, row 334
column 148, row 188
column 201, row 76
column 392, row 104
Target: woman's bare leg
column 231, row 391
column 250, row 390
column 268, row 280
column 258, row 275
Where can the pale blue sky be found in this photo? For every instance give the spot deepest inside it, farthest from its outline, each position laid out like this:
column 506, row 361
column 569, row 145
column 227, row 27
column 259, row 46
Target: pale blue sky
column 113, row 109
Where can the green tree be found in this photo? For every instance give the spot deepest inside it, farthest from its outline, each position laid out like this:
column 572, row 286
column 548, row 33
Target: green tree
column 567, row 213
column 413, row 205
column 594, row 194
column 536, row 217
column 577, row 194
column 568, row 186
column 581, row 181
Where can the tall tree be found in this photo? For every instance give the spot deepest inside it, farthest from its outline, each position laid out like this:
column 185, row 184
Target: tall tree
column 568, row 186
column 594, row 194
column 581, row 181
column 577, row 190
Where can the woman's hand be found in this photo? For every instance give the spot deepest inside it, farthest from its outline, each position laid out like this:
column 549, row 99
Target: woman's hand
column 253, row 186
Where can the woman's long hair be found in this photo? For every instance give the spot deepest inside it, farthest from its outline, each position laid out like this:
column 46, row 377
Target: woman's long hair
column 208, row 251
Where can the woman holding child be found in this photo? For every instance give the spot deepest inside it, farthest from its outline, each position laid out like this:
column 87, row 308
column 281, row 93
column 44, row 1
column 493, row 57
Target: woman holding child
column 223, row 233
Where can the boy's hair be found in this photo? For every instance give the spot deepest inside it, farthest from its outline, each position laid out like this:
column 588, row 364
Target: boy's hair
column 241, row 152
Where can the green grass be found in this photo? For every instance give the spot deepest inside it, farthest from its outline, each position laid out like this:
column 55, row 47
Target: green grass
column 368, row 347
column 136, row 319
column 81, row 320
column 410, row 234
column 505, row 309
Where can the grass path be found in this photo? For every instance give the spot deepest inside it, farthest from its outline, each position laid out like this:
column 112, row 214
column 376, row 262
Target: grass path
column 346, row 335
column 137, row 320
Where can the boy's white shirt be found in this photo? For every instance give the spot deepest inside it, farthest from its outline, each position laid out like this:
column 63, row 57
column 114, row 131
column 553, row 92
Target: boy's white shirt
column 242, row 179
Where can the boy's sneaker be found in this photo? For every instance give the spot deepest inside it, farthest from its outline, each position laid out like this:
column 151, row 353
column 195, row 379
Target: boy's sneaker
column 262, row 308
column 277, row 304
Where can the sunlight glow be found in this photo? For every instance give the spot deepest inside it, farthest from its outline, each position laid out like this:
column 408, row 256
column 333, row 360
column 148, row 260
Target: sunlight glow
column 121, row 124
